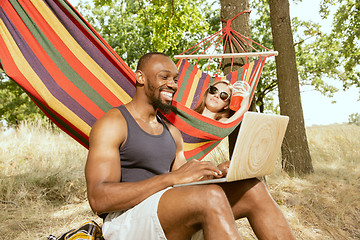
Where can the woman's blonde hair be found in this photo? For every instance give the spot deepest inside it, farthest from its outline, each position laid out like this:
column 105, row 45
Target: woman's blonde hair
column 224, row 113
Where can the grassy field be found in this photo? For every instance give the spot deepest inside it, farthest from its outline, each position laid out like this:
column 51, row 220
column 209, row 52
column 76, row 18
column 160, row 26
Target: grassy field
column 42, row 187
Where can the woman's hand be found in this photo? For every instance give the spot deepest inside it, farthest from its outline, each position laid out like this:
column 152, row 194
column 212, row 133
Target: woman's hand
column 244, row 92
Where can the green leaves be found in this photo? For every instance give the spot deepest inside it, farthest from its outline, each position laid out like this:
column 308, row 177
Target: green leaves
column 346, row 35
column 118, row 23
column 321, row 58
column 15, row 104
column 134, row 28
column 172, row 21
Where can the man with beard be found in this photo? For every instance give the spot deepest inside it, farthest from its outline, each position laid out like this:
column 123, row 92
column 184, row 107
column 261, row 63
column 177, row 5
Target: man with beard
column 135, row 158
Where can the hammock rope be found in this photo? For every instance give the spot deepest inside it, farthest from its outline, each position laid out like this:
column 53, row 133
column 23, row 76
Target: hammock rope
column 227, row 35
column 74, row 76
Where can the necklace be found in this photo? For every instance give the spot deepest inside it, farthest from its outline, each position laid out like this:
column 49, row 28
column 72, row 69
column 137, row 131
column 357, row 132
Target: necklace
column 138, row 116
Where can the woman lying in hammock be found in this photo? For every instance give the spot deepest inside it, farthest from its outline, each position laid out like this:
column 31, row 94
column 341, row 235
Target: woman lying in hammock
column 215, row 103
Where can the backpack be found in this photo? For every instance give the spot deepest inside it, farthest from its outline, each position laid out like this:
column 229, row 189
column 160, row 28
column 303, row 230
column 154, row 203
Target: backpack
column 87, row 231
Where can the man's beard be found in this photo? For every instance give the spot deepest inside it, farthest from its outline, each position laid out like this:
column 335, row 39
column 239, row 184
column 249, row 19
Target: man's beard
column 157, row 103
column 162, row 107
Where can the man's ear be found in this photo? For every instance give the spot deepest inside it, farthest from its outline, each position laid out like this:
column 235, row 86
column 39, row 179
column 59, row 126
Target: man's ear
column 140, row 77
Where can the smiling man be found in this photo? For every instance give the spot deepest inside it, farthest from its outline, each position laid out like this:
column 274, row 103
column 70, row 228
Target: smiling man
column 135, row 158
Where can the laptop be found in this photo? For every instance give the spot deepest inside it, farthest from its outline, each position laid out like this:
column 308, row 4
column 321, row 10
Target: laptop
column 256, row 149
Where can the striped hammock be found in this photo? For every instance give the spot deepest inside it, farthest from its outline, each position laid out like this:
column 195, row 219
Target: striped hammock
column 74, row 76
column 201, row 134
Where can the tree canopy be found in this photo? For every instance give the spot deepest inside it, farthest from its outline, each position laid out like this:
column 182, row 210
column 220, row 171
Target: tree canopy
column 133, row 28
column 15, row 104
column 345, row 36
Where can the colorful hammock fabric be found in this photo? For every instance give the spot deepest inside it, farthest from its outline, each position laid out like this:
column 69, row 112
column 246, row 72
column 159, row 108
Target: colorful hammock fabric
column 69, row 71
column 74, row 76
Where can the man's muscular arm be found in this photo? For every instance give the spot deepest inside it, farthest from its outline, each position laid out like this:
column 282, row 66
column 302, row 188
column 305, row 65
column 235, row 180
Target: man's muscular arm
column 103, row 169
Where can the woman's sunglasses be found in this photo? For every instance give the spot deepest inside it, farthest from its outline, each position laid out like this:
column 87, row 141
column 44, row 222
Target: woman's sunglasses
column 223, row 95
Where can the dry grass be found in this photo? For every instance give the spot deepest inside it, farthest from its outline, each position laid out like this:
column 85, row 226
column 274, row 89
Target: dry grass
column 43, row 191
column 42, row 188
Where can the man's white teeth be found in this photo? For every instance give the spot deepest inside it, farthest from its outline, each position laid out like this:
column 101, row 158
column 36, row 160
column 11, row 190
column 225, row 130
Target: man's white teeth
column 168, row 94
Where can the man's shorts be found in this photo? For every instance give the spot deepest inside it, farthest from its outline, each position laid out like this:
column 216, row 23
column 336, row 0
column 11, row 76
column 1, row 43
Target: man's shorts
column 139, row 222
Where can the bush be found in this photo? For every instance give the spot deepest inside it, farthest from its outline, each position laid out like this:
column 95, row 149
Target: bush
column 354, row 118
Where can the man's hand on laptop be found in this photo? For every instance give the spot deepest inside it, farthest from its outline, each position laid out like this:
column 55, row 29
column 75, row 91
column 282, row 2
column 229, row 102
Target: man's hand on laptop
column 224, row 168
column 194, row 171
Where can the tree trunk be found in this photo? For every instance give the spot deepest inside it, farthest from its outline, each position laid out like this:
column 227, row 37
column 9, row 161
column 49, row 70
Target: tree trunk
column 229, row 9
column 296, row 158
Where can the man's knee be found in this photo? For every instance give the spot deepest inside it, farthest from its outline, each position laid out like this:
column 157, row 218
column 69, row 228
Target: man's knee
column 212, row 198
column 188, row 208
column 195, row 199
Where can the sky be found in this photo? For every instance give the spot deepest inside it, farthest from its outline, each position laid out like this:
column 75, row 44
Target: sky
column 318, row 109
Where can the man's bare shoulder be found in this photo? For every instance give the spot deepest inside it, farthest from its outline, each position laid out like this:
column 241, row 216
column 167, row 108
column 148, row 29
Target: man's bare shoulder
column 111, row 118
column 112, row 125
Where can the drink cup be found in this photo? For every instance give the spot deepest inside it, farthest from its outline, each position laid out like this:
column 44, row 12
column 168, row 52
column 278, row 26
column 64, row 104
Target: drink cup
column 236, row 98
